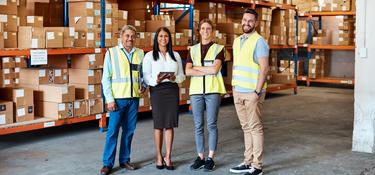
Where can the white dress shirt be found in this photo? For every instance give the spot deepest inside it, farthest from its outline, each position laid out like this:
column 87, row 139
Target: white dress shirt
column 152, row 68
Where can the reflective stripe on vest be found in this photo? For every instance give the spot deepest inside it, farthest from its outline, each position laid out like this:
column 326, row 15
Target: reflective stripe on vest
column 208, row 83
column 245, row 70
column 125, row 74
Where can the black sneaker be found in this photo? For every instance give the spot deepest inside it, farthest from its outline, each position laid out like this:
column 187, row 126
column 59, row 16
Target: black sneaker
column 209, row 165
column 198, row 164
column 241, row 168
column 255, row 171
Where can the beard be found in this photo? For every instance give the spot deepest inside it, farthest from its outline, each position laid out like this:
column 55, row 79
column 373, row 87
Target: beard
column 248, row 30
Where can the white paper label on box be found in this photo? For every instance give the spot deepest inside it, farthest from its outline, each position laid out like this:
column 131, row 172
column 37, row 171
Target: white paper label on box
column 92, row 58
column 42, row 73
column 141, row 102
column 6, row 71
column 108, row 6
column 20, row 93
column 97, row 50
column 49, row 124
column 34, row 43
column 91, row 88
column 313, row 61
column 91, row 73
column 76, row 19
column 125, row 15
column 5, row 35
column 219, row 16
column 64, row 90
column 30, row 19
column 90, row 20
column 17, row 81
column 211, row 4
column 142, row 35
column 89, row 5
column 17, row 70
column 108, row 21
column 5, row 59
column 210, row 16
column 303, row 30
column 7, row 82
column 98, row 116
column 313, row 71
column 50, row 35
column 341, row 39
column 178, row 35
column 57, row 72
column 75, row 35
column 108, row 35
column 3, row 2
column 71, row 32
column 341, row 31
column 90, row 36
column 2, row 119
column 183, row 90
column 3, row 18
column 21, row 112
column 77, row 105
column 61, row 107
column 96, row 12
column 137, row 23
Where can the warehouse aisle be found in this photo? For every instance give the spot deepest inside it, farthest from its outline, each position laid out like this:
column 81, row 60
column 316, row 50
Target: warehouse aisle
column 306, row 134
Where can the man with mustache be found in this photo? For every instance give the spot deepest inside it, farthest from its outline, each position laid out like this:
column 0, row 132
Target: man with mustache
column 250, row 67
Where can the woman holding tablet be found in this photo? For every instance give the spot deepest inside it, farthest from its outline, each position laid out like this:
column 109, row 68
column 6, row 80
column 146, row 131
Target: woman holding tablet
column 162, row 71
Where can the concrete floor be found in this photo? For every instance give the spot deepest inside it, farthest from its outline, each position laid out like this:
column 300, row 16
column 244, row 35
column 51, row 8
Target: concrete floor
column 305, row 134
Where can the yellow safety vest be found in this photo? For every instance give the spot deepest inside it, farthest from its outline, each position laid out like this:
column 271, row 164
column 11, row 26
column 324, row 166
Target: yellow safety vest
column 245, row 70
column 125, row 74
column 209, row 83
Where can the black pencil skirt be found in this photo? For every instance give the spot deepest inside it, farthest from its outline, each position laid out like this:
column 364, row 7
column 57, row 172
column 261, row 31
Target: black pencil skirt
column 165, row 102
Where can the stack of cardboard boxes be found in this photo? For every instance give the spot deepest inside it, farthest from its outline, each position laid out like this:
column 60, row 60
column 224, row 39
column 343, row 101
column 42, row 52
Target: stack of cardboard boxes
column 302, row 31
column 319, row 65
column 21, row 100
column 325, row 5
column 323, row 37
column 346, row 30
column 111, row 24
column 85, row 76
column 85, row 17
column 291, row 27
column 278, row 28
column 273, row 62
column 9, row 22
column 264, row 26
column 10, row 70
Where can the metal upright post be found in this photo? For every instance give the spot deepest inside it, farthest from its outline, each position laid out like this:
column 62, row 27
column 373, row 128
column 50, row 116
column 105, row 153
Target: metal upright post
column 191, row 22
column 66, row 16
column 102, row 34
column 157, row 8
column 295, row 56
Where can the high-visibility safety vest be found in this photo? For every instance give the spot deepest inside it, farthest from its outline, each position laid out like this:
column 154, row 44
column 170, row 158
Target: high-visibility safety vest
column 125, row 74
column 209, row 83
column 245, row 70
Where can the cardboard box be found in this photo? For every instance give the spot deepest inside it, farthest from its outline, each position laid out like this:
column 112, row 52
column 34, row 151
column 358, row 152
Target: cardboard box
column 31, row 37
column 54, row 110
column 57, row 62
column 121, row 24
column 84, row 91
column 206, row 7
column 1, row 40
column 139, row 25
column 20, row 96
column 7, row 62
column 86, row 23
column 115, row 25
column 56, row 93
column 139, row 14
column 84, row 76
column 21, row 61
column 54, row 39
column 80, row 108
column 10, row 22
column 86, row 39
column 24, row 113
column 8, row 7
column 10, row 39
column 8, row 73
column 60, row 76
column 68, row 34
column 36, row 76
column 87, row 61
column 83, row 9
column 4, row 82
column 95, row 106
column 123, row 15
column 34, row 21
column 229, row 28
column 6, row 112
column 283, row 78
column 144, row 39
column 315, row 67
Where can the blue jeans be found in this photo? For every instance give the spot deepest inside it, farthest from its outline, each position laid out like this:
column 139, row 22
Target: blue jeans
column 126, row 117
column 212, row 104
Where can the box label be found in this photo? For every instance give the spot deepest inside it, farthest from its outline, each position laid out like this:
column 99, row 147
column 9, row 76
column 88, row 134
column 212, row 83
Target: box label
column 125, row 15
column 6, row 60
column 17, row 81
column 90, row 36
column 92, row 58
column 2, row 119
column 17, row 69
column 20, row 93
column 64, row 90
column 42, row 73
column 61, row 107
column 91, row 73
column 137, row 23
column 91, row 88
column 71, row 31
column 108, row 35
column 50, row 35
column 141, row 102
column 6, row 71
column 34, row 43
column 5, row 35
column 98, row 116
column 3, row 2
column 3, row 18
column 142, row 35
column 90, row 20
column 49, row 124
column 21, row 112
column 97, row 12
column 77, row 105
column 57, row 72
column 30, row 19
column 108, row 21
column 89, row 5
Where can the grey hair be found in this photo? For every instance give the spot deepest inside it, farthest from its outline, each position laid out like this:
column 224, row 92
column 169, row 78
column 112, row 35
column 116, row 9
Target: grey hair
column 128, row 27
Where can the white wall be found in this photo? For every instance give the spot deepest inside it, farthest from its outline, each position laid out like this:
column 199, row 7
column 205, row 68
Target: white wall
column 364, row 103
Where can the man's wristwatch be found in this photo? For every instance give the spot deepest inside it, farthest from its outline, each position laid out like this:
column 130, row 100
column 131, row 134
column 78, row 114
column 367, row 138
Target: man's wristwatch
column 258, row 93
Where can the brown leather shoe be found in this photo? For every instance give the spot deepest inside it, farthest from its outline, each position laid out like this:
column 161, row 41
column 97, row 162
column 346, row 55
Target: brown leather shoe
column 105, row 170
column 128, row 166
